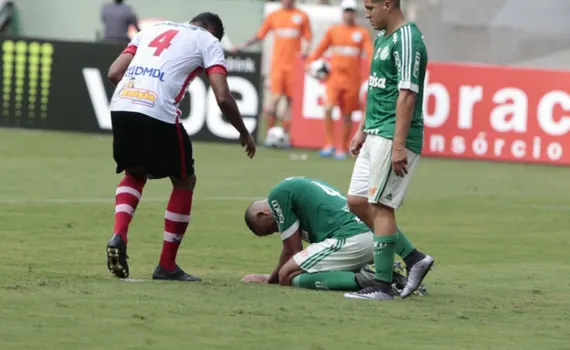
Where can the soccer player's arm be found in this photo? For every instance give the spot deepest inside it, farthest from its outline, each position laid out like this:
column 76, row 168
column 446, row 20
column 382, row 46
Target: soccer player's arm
column 265, row 28
column 323, row 46
column 407, row 54
column 307, row 33
column 281, row 205
column 215, row 67
column 120, row 65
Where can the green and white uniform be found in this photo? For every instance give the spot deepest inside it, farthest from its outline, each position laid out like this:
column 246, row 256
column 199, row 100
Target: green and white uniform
column 399, row 62
column 339, row 240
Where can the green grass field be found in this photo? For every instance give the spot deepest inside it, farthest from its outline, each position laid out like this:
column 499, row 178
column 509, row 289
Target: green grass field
column 499, row 233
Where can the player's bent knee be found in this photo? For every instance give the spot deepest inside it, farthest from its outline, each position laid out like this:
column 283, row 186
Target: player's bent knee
column 379, row 209
column 357, row 204
column 188, row 183
column 138, row 173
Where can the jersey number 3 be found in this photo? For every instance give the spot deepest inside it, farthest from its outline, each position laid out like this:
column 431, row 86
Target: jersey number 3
column 162, row 42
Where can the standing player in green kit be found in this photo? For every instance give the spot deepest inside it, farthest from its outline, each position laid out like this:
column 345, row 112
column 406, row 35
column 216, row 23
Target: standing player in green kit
column 389, row 142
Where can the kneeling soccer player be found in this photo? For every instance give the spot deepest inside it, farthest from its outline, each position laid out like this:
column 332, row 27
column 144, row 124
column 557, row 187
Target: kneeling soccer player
column 305, row 209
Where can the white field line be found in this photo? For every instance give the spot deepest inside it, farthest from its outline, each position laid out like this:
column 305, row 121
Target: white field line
column 94, row 200
column 16, row 201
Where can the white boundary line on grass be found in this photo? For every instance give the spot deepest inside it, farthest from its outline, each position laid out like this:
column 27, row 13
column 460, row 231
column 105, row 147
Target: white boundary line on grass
column 112, row 200
column 19, row 201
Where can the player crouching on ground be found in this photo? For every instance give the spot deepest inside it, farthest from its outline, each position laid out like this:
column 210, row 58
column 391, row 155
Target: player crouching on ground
column 341, row 245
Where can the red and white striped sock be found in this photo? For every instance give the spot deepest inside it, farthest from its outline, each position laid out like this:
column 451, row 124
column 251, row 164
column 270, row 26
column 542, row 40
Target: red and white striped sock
column 176, row 220
column 127, row 198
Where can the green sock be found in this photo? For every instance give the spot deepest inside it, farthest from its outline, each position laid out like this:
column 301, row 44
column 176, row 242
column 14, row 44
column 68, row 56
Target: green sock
column 384, row 247
column 403, row 245
column 332, row 280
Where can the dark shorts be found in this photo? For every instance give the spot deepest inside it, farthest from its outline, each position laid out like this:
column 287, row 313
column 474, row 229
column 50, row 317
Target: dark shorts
column 162, row 149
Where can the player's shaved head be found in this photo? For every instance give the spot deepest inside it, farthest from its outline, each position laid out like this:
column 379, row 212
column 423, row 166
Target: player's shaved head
column 259, row 219
column 211, row 22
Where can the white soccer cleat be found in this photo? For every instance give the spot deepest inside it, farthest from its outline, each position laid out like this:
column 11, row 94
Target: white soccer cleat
column 416, row 275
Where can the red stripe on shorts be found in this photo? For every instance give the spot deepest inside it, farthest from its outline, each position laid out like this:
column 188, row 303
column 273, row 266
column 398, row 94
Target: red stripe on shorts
column 182, row 150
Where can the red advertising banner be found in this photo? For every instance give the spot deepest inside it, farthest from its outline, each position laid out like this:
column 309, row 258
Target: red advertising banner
column 471, row 112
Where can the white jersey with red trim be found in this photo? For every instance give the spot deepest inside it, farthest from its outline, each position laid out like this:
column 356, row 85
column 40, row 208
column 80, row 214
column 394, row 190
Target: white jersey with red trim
column 167, row 57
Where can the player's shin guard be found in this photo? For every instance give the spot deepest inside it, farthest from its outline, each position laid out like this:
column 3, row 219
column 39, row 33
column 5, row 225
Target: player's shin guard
column 406, row 250
column 127, row 198
column 346, row 131
column 384, row 247
column 332, row 280
column 176, row 221
column 329, row 132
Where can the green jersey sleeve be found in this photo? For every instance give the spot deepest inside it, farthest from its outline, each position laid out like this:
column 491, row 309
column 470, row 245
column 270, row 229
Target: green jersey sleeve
column 408, row 52
column 281, row 204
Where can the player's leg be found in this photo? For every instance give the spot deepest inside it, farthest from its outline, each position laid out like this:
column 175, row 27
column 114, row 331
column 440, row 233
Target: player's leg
column 358, row 188
column 276, row 89
column 382, row 219
column 334, row 264
column 172, row 157
column 287, row 78
column 332, row 100
column 349, row 103
column 386, row 195
column 128, row 153
column 358, row 204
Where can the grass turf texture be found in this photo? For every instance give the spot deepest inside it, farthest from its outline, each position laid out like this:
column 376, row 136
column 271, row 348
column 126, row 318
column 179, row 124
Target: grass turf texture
column 499, row 234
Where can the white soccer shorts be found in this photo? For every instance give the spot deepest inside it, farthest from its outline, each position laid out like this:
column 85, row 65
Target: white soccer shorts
column 337, row 254
column 373, row 176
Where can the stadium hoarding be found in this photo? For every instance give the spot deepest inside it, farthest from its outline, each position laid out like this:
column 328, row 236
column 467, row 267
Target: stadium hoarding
column 61, row 85
column 470, row 111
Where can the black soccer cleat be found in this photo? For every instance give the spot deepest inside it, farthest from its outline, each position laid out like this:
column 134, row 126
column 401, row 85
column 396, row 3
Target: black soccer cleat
column 177, row 275
column 117, row 257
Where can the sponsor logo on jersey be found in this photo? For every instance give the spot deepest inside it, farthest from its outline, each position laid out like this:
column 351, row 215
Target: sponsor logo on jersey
column 138, row 96
column 277, row 212
column 384, row 53
column 136, row 71
column 397, row 60
column 287, row 32
column 376, row 82
column 417, row 64
column 345, row 50
column 356, row 37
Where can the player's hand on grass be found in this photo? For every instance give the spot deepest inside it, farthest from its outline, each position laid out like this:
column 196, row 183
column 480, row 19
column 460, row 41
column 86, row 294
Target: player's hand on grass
column 255, row 278
column 249, row 143
column 357, row 142
column 400, row 161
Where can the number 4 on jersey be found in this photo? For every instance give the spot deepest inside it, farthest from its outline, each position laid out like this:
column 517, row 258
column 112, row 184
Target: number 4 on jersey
column 162, row 42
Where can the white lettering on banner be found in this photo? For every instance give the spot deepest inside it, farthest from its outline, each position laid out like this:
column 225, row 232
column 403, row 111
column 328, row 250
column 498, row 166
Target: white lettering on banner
column 314, row 91
column 498, row 147
column 510, row 114
column 204, row 108
column 98, row 97
column 442, row 103
column 545, row 113
column 248, row 105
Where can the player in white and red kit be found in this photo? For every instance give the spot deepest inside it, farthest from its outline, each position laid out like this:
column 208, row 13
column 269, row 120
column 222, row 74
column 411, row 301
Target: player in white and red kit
column 149, row 142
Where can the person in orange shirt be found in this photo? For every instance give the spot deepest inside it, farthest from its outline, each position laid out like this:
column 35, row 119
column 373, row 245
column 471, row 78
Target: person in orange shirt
column 289, row 26
column 347, row 43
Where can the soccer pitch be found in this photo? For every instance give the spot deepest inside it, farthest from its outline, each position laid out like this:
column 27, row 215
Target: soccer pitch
column 498, row 232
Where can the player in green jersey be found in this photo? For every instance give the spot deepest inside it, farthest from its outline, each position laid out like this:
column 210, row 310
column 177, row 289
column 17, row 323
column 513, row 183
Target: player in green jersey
column 389, row 141
column 305, row 209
